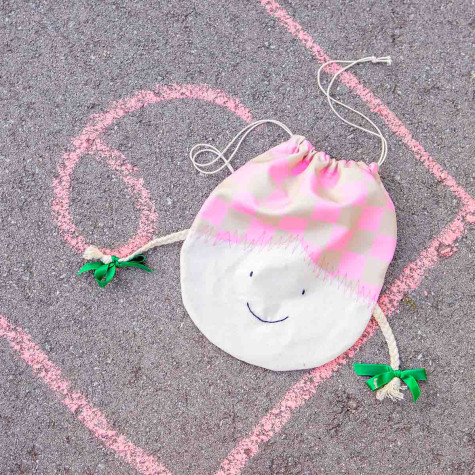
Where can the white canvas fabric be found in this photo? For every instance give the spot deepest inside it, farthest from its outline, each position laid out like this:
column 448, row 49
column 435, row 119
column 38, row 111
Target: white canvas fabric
column 268, row 306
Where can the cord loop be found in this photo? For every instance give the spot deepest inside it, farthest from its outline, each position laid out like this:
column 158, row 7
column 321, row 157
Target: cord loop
column 331, row 100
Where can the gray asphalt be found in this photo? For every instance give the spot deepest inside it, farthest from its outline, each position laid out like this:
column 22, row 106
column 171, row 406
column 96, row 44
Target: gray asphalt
column 132, row 349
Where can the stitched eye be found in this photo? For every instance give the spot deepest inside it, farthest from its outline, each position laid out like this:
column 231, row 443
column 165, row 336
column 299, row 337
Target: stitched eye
column 252, row 272
column 303, row 291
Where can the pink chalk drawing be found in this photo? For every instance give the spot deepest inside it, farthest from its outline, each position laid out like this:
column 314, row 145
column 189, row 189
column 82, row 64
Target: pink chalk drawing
column 89, row 141
column 91, row 417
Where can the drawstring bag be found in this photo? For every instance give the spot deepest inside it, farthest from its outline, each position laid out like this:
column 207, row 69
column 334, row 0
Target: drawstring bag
column 284, row 263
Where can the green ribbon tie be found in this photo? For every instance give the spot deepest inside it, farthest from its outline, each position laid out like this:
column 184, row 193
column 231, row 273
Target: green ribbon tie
column 104, row 273
column 383, row 373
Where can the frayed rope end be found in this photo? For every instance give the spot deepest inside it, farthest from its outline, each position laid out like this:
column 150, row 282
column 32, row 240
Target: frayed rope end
column 392, row 390
column 93, row 253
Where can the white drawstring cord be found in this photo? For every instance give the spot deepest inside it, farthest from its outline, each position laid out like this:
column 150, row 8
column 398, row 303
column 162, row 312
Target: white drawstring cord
column 392, row 389
column 200, row 148
column 93, row 253
column 332, row 100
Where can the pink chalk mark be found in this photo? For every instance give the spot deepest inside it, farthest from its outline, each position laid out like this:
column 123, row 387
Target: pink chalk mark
column 89, row 142
column 89, row 416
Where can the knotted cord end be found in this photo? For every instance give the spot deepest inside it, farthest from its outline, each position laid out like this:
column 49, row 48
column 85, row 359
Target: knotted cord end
column 387, row 381
column 383, row 59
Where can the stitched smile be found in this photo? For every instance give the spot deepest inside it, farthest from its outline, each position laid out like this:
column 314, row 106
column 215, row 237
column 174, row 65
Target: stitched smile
column 262, row 320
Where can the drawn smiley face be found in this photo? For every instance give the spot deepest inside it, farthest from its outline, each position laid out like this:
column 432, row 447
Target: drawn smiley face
column 268, row 305
column 262, row 319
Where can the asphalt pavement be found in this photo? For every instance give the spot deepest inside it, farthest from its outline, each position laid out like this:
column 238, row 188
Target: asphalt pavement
column 130, row 349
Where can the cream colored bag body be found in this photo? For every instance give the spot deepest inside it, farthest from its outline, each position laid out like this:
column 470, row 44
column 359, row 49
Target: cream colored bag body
column 284, row 263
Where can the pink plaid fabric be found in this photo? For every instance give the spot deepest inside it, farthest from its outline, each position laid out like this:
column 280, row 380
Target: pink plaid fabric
column 338, row 211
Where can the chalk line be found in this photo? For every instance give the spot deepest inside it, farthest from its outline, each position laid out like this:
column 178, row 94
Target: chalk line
column 89, row 142
column 89, row 416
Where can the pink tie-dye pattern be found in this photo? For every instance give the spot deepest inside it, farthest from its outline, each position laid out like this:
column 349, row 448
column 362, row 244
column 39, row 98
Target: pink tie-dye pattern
column 279, row 170
column 301, row 167
column 352, row 265
column 277, row 199
column 328, row 177
column 313, row 251
column 389, row 203
column 215, row 211
column 340, row 237
column 293, row 225
column 355, row 192
column 245, row 174
column 245, row 202
column 285, row 149
column 227, row 236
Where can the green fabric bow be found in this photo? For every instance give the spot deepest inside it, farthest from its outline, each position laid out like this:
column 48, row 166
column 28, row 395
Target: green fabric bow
column 104, row 273
column 383, row 373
